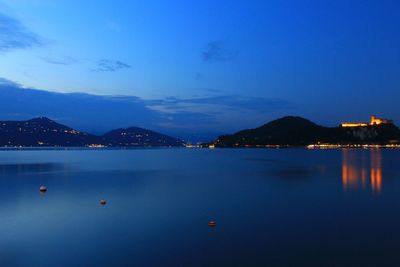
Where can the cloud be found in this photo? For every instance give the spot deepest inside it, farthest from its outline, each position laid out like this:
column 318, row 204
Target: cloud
column 219, row 113
column 110, row 65
column 86, row 112
column 14, row 35
column 102, row 65
column 176, row 116
column 59, row 60
column 216, row 51
column 217, row 104
column 8, row 83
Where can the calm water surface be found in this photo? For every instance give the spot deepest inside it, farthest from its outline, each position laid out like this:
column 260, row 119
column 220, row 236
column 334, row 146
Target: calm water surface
column 290, row 207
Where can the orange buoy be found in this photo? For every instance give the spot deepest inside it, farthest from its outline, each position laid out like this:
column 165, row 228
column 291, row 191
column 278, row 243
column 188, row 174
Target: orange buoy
column 103, row 202
column 212, row 223
column 42, row 188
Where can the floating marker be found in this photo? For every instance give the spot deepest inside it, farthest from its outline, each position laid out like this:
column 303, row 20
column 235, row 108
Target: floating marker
column 42, row 188
column 212, row 223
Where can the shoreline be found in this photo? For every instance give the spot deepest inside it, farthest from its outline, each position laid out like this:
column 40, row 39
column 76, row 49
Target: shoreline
column 313, row 146
column 310, row 147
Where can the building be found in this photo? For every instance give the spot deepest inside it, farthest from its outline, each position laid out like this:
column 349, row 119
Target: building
column 377, row 121
column 374, row 121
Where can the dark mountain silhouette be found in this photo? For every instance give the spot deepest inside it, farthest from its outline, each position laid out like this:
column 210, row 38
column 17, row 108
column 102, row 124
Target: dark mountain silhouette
column 135, row 136
column 297, row 131
column 43, row 132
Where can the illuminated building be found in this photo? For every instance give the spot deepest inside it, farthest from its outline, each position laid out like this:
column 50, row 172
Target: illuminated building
column 377, row 121
column 374, row 121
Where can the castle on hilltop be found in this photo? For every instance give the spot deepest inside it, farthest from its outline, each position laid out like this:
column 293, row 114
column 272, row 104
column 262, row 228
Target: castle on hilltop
column 374, row 121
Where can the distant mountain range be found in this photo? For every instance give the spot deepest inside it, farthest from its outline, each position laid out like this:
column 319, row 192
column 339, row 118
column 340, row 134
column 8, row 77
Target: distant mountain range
column 286, row 131
column 297, row 131
column 43, row 132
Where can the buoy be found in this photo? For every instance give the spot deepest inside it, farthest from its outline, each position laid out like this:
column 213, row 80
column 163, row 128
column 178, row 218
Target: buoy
column 212, row 223
column 42, row 188
column 103, row 202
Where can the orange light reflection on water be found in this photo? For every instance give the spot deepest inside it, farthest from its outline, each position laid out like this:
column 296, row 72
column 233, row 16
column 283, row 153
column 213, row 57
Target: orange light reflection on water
column 356, row 170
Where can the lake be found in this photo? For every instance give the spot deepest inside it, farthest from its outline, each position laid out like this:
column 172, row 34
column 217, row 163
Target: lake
column 272, row 207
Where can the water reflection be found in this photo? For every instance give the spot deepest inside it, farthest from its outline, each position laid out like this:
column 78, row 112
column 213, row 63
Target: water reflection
column 357, row 168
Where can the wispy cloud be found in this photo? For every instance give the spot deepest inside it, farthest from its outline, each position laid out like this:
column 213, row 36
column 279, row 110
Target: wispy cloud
column 110, row 65
column 60, row 60
column 216, row 104
column 222, row 112
column 14, row 35
column 215, row 51
column 5, row 82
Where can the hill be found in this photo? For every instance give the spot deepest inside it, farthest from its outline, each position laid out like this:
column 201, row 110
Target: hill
column 135, row 136
column 43, row 132
column 297, row 131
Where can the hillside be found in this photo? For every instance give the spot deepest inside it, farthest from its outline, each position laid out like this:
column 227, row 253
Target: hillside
column 43, row 132
column 135, row 136
column 297, row 131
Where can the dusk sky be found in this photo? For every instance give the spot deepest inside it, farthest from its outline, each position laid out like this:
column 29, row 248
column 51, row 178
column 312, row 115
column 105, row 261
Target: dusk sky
column 224, row 65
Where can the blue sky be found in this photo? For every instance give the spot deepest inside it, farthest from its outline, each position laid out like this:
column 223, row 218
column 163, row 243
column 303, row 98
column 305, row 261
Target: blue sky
column 238, row 63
